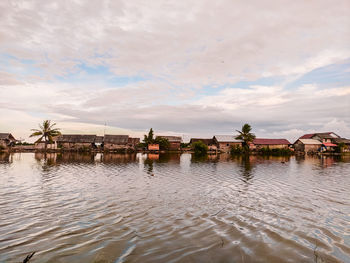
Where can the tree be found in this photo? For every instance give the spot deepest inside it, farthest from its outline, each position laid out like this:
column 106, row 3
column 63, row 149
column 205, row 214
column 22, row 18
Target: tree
column 148, row 139
column 200, row 148
column 164, row 143
column 46, row 132
column 245, row 135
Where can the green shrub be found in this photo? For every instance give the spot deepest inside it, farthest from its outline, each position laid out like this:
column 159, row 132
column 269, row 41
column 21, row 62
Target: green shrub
column 236, row 149
column 200, row 148
column 275, row 151
column 164, row 144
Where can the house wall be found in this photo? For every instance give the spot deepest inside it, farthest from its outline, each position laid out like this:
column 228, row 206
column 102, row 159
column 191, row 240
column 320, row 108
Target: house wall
column 175, row 146
column 113, row 146
column 153, row 147
column 311, row 147
column 3, row 143
column 212, row 147
column 271, row 146
column 226, row 146
column 299, row 146
column 41, row 146
column 75, row 146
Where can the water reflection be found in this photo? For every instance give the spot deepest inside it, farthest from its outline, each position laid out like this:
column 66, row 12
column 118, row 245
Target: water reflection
column 75, row 207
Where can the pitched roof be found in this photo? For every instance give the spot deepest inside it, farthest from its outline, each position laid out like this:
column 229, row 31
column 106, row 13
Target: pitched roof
column 341, row 140
column 307, row 136
column 309, row 141
column 226, row 138
column 116, row 139
column 4, row 136
column 327, row 135
column 205, row 141
column 133, row 141
column 262, row 141
column 76, row 138
column 171, row 138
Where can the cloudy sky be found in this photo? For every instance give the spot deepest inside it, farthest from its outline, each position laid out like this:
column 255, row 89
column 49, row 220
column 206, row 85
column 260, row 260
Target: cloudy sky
column 186, row 67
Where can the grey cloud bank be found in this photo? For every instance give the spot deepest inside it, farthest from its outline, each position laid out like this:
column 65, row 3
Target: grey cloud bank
column 191, row 55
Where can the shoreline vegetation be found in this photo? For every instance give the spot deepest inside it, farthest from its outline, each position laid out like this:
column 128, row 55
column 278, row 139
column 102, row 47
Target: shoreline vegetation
column 51, row 140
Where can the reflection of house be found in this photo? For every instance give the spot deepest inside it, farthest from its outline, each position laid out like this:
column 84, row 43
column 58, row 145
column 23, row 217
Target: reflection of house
column 7, row 140
column 209, row 142
column 175, row 142
column 259, row 143
column 225, row 142
column 307, row 145
column 76, row 142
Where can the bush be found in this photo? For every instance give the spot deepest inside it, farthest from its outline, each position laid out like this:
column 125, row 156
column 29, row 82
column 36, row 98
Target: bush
column 339, row 148
column 236, row 149
column 275, row 151
column 200, row 148
column 164, row 144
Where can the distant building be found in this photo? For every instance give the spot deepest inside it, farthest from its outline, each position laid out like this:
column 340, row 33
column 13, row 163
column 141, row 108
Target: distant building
column 175, row 142
column 307, row 145
column 328, row 140
column 115, row 142
column 259, row 143
column 225, row 142
column 7, row 140
column 76, row 142
column 209, row 142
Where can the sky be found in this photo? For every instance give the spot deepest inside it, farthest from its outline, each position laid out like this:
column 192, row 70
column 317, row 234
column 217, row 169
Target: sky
column 183, row 67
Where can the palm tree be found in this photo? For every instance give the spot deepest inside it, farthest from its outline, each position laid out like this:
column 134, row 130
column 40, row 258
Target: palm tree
column 245, row 135
column 46, row 132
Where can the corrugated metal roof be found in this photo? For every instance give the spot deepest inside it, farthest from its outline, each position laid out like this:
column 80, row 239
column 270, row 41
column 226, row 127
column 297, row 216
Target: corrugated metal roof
column 310, row 141
column 307, row 136
column 116, row 139
column 205, row 141
column 76, row 138
column 329, row 144
column 226, row 138
column 171, row 138
column 270, row 141
column 8, row 136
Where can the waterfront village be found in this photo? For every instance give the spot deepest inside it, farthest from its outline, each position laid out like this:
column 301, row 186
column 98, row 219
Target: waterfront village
column 313, row 143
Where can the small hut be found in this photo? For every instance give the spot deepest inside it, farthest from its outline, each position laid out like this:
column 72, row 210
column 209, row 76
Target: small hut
column 209, row 142
column 307, row 145
column 76, row 142
column 175, row 142
column 115, row 142
column 259, row 143
column 225, row 142
column 7, row 140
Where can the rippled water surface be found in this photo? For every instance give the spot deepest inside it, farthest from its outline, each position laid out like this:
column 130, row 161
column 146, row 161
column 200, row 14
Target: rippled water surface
column 174, row 208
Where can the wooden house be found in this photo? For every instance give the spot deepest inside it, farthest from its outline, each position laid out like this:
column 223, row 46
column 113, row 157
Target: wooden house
column 76, row 142
column 7, row 140
column 307, row 145
column 115, row 142
column 175, row 142
column 225, row 142
column 259, row 143
column 209, row 142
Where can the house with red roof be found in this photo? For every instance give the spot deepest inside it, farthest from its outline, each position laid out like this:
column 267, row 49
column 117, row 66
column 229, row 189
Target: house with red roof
column 259, row 143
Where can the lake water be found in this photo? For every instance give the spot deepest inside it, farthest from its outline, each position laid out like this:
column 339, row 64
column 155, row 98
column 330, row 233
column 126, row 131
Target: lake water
column 174, row 208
